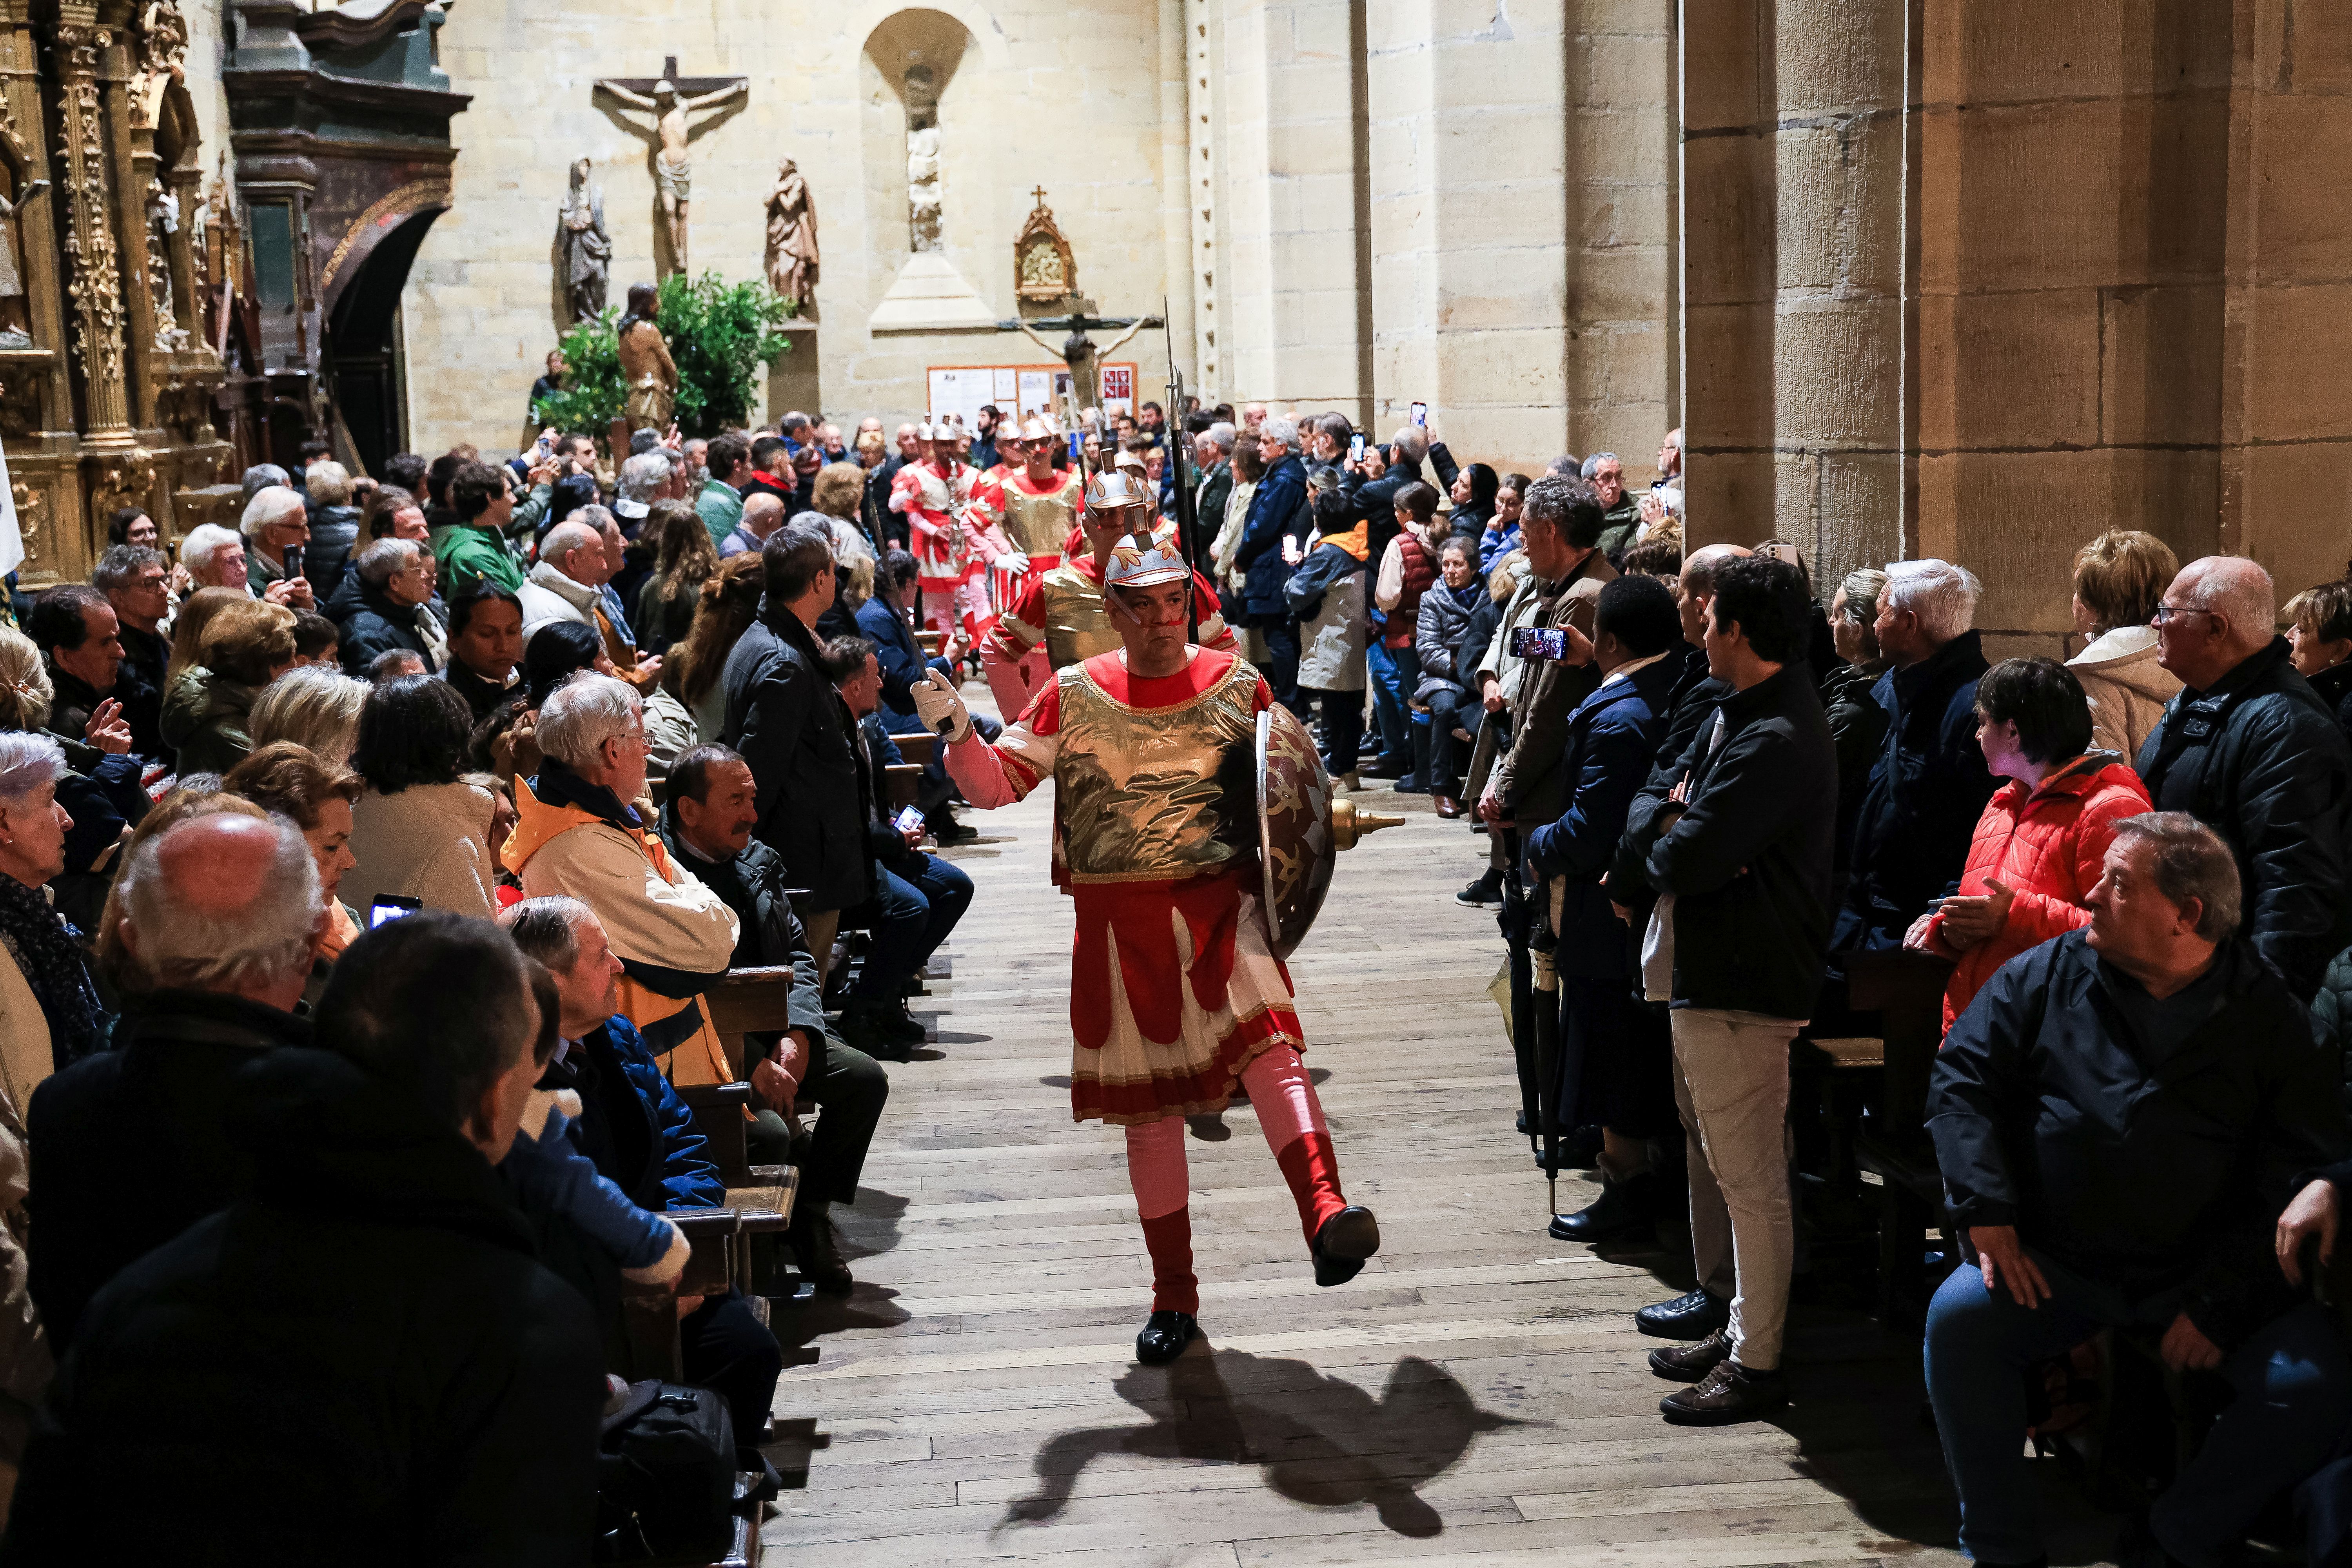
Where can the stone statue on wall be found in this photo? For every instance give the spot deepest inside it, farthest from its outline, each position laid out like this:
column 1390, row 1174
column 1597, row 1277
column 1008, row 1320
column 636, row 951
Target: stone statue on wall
column 162, row 222
column 924, row 218
column 673, row 172
column 15, row 315
column 791, row 237
column 584, row 246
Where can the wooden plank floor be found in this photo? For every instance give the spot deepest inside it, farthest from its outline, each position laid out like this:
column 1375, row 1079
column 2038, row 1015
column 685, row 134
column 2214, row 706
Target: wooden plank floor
column 1477, row 1391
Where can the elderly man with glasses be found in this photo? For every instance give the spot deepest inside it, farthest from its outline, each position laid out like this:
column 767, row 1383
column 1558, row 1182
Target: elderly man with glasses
column 2252, row 752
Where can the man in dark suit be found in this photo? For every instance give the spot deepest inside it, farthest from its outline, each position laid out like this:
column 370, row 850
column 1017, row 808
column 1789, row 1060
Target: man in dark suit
column 1278, row 513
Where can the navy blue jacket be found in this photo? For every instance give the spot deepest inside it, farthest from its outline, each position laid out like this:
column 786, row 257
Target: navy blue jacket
column 1277, row 507
column 2261, row 760
column 2148, row 1172
column 1613, row 737
column 677, row 1172
column 1920, row 806
column 898, row 653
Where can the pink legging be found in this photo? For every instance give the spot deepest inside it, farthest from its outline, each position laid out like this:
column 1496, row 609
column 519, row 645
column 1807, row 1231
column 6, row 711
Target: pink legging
column 1287, row 1113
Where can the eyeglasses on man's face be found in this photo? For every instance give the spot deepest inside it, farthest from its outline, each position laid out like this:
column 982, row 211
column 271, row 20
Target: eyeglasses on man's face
column 2166, row 612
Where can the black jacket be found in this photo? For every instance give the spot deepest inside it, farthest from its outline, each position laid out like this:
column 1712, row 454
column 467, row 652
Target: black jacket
column 1749, row 862
column 162, row 1094
column 1926, row 789
column 1374, row 501
column 482, row 696
column 790, row 724
column 376, row 628
column 334, row 533
column 1692, row 698
column 1858, row 727
column 2145, row 1171
column 753, row 884
column 140, row 688
column 2261, row 760
column 360, row 1362
column 2334, row 685
column 76, row 700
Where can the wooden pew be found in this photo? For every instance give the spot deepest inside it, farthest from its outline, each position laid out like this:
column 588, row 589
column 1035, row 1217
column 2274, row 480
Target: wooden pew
column 931, row 643
column 1907, row 990
column 904, row 784
column 745, row 1002
column 917, row 747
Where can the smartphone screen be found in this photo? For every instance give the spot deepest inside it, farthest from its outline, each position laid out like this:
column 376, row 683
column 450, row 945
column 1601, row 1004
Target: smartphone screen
column 1356, row 449
column 293, row 561
column 1539, row 642
column 1420, row 415
column 391, row 906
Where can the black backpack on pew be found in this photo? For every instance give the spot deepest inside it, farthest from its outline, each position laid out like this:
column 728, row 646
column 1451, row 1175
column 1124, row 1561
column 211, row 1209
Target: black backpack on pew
column 665, row 1476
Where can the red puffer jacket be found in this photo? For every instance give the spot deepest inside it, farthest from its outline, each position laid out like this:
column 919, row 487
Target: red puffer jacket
column 2048, row 845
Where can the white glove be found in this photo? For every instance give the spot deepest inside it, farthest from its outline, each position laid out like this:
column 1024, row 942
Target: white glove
column 1013, row 563
column 941, row 707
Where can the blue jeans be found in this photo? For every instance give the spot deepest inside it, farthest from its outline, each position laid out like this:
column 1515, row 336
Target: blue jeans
column 2293, row 1381
column 909, row 917
column 1394, row 672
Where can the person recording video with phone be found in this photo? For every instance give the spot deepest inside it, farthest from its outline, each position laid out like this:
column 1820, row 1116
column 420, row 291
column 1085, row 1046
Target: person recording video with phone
column 277, row 526
column 1559, row 526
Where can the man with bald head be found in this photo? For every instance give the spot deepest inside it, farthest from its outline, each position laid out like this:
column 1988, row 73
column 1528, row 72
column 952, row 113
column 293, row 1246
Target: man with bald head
column 2249, row 749
column 568, row 579
column 219, row 915
column 762, row 515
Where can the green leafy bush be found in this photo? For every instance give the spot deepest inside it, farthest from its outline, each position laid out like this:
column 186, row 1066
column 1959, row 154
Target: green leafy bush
column 722, row 335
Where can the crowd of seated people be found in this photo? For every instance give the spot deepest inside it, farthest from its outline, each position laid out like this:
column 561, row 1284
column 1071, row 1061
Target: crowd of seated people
column 600, row 728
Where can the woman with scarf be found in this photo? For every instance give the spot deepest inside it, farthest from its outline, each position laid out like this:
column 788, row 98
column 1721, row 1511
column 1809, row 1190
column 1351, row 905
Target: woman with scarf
column 49, row 1012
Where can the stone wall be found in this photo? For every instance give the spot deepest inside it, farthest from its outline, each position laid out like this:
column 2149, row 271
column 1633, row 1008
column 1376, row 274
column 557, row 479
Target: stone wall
column 1033, row 93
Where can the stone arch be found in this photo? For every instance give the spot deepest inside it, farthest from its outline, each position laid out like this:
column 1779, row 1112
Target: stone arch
column 928, row 66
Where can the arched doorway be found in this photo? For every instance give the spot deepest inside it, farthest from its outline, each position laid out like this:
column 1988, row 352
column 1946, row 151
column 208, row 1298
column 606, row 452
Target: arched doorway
column 361, row 351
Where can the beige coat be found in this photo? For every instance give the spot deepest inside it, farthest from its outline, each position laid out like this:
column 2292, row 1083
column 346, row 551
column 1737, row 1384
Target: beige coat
column 428, row 842
column 2128, row 688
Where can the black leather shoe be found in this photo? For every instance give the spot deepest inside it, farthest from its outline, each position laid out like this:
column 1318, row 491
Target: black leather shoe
column 1691, row 1362
column 1728, row 1394
column 1624, row 1208
column 1163, row 1338
column 1346, row 1239
column 816, row 1252
column 899, row 1023
column 1691, row 1317
column 1381, row 768
column 862, row 1028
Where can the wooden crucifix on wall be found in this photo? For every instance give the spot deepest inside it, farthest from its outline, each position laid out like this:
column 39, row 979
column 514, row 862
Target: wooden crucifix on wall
column 673, row 100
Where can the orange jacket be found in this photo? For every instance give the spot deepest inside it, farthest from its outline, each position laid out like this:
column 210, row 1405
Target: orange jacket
column 2048, row 845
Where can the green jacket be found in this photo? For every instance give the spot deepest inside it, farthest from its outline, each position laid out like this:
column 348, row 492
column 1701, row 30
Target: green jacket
column 204, row 720
column 468, row 555
column 721, row 509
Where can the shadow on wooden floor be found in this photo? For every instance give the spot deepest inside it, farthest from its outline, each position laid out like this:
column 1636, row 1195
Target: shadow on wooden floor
column 1320, row 1440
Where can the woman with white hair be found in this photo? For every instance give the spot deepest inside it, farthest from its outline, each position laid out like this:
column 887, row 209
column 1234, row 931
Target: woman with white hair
column 276, row 526
column 316, row 708
column 49, row 1013
column 581, row 832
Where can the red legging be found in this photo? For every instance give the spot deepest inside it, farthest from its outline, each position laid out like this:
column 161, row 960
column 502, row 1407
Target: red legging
column 1292, row 1120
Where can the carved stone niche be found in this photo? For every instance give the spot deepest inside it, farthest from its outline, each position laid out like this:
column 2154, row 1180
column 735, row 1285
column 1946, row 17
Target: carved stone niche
column 119, row 480
column 21, row 372
column 1042, row 270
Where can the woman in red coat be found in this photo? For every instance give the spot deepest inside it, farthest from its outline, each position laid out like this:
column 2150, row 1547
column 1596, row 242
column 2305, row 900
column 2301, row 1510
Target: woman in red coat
column 2039, row 845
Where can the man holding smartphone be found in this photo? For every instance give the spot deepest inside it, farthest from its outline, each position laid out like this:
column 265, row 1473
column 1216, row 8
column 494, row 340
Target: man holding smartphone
column 1560, row 531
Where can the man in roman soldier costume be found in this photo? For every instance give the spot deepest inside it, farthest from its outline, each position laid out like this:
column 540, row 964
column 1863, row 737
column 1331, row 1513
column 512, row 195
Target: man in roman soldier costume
column 951, row 518
column 1041, row 501
column 1177, row 991
column 1057, row 617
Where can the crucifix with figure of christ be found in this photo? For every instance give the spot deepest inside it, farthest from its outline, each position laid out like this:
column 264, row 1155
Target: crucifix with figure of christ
column 673, row 100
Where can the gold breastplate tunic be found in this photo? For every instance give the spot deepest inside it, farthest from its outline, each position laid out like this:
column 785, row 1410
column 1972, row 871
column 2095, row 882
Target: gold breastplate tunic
column 1151, row 794
column 1037, row 525
column 1077, row 624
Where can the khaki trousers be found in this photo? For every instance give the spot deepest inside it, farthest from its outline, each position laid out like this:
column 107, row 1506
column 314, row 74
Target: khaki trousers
column 1732, row 1085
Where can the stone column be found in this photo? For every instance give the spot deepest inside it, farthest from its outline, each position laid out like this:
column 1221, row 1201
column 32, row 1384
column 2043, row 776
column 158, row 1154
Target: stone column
column 94, row 276
column 1288, row 271
column 2075, row 222
column 1198, row 188
column 1473, row 208
column 1176, row 226
column 1840, row 334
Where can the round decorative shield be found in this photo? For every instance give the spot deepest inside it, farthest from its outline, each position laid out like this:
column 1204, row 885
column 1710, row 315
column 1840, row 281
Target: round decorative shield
column 1296, row 847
